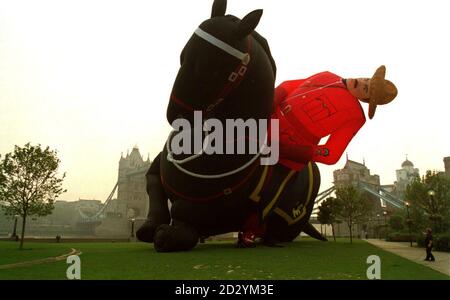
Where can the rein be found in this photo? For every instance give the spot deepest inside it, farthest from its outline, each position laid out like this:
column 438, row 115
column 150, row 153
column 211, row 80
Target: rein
column 178, row 163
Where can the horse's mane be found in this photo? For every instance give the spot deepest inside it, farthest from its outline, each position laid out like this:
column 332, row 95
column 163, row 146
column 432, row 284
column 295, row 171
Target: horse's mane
column 263, row 42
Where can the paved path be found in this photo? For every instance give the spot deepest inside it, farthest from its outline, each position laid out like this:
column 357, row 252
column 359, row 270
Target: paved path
column 415, row 254
column 40, row 261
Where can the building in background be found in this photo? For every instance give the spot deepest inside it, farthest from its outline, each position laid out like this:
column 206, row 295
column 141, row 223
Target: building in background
column 447, row 165
column 353, row 173
column 65, row 220
column 110, row 218
column 358, row 175
column 404, row 176
column 132, row 184
column 132, row 201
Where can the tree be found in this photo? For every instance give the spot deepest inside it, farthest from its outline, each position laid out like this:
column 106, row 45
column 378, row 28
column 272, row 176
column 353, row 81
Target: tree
column 28, row 182
column 327, row 213
column 429, row 199
column 396, row 222
column 352, row 207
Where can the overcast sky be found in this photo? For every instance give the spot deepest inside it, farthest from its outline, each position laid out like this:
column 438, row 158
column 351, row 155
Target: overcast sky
column 92, row 79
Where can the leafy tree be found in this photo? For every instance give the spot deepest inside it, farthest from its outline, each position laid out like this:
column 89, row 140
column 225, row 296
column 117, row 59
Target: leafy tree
column 352, row 207
column 429, row 200
column 327, row 213
column 28, row 182
column 396, row 222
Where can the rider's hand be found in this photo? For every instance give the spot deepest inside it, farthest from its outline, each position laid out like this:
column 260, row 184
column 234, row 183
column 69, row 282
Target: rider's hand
column 322, row 151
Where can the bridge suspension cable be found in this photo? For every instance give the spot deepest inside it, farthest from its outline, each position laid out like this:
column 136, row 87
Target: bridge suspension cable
column 374, row 190
column 383, row 194
column 100, row 214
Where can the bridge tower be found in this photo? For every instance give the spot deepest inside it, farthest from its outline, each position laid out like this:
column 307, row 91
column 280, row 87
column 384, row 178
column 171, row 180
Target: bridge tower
column 132, row 200
column 447, row 165
column 132, row 184
column 355, row 173
column 404, row 176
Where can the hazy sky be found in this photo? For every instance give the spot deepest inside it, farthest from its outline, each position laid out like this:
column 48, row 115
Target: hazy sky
column 92, row 78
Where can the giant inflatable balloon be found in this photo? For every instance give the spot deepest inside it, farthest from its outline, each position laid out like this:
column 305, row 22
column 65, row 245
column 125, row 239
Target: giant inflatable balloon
column 311, row 109
column 226, row 72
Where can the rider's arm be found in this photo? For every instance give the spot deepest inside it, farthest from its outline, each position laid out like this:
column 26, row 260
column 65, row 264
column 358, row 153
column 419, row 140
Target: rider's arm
column 331, row 152
column 285, row 89
column 297, row 153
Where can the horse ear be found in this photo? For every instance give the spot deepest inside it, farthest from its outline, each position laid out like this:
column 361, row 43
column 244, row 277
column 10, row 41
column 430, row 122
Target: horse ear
column 218, row 9
column 249, row 23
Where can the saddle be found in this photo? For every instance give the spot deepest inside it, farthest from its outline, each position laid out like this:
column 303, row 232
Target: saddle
column 284, row 192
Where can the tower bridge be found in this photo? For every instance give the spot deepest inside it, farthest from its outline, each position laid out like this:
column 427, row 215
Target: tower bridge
column 127, row 200
column 358, row 175
column 379, row 194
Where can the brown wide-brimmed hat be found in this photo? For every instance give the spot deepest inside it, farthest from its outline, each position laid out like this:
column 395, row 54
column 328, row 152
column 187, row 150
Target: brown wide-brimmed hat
column 381, row 91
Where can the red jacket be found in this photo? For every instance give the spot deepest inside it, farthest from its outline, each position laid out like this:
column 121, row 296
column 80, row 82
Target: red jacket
column 311, row 109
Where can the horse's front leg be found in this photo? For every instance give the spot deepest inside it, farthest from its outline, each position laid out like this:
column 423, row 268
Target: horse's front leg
column 158, row 209
column 178, row 236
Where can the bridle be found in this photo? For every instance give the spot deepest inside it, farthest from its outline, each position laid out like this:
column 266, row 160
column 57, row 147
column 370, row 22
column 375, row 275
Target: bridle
column 233, row 81
column 244, row 57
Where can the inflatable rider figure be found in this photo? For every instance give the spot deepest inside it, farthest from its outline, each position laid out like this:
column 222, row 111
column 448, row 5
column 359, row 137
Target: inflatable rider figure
column 313, row 108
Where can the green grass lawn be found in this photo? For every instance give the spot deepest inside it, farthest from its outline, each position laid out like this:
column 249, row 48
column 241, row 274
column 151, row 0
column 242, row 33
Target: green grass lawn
column 305, row 259
column 9, row 252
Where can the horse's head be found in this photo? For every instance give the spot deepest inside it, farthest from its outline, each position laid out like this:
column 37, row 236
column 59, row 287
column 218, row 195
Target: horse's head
column 227, row 70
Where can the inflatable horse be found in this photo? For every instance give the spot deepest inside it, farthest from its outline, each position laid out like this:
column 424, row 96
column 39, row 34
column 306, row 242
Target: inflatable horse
column 226, row 72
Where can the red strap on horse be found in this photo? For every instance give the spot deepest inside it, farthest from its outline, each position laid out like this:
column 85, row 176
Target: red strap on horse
column 224, row 192
column 233, row 81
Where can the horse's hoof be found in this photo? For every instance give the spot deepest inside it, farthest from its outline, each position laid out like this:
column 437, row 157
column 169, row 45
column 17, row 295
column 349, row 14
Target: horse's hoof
column 178, row 237
column 162, row 238
column 147, row 231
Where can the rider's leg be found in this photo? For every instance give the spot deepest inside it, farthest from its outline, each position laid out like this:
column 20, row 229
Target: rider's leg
column 278, row 227
column 253, row 228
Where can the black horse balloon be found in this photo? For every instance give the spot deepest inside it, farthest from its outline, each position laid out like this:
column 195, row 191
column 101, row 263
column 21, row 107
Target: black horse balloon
column 226, row 72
